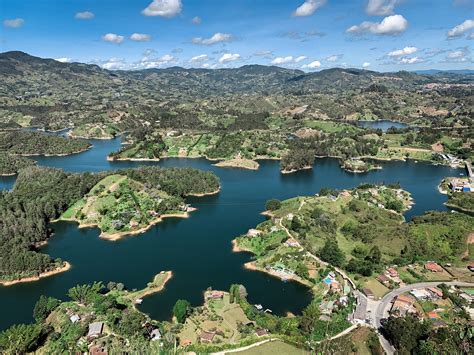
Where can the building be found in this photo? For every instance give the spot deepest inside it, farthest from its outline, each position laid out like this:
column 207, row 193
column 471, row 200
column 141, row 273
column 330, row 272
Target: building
column 95, row 330
column 261, row 332
column 421, row 294
column 368, row 293
column 403, row 304
column 392, row 272
column 435, row 291
column 215, row 295
column 383, row 279
column 98, row 350
column 433, row 267
column 432, row 315
column 292, row 242
column 207, row 337
column 75, row 318
column 460, row 185
column 253, row 232
column 155, row 335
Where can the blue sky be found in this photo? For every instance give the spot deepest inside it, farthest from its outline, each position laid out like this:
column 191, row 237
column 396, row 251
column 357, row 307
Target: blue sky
column 383, row 35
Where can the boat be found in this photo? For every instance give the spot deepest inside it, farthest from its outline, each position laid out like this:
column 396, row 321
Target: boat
column 139, row 301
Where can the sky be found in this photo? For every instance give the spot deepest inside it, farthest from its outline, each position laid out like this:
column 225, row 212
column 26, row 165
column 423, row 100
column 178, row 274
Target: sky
column 311, row 35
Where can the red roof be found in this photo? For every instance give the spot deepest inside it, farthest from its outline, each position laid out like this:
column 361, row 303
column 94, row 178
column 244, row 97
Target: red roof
column 431, row 266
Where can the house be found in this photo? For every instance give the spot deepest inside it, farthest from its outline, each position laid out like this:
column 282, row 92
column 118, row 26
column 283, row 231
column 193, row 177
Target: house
column 368, row 292
column 253, row 232
column 383, row 279
column 215, row 295
column 95, row 330
column 435, row 291
column 403, row 304
column 460, row 185
column 155, row 334
column 432, row 315
column 326, row 307
column 466, row 297
column 335, row 286
column 98, row 350
column 185, row 342
column 290, row 216
column 133, row 224
column 292, row 242
column 433, row 267
column 439, row 324
column 261, row 332
column 207, row 337
column 421, row 294
column 75, row 318
column 392, row 272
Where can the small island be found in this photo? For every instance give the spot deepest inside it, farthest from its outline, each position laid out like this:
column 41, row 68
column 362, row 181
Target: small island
column 238, row 162
column 355, row 165
column 121, row 206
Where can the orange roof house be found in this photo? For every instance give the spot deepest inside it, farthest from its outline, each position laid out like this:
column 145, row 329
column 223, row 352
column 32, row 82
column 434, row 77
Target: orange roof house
column 433, row 267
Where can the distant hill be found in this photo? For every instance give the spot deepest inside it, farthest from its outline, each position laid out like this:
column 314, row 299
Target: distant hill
column 442, row 72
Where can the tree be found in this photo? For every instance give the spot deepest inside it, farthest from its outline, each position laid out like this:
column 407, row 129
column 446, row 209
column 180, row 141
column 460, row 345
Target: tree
column 44, row 307
column 273, row 205
column 20, row 338
column 331, row 253
column 85, row 294
column 405, row 332
column 309, row 317
column 181, row 310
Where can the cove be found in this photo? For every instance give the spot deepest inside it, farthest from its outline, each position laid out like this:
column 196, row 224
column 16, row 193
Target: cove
column 384, row 125
column 198, row 249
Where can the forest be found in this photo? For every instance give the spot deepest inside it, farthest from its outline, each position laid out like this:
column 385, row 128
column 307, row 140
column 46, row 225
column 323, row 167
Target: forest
column 35, row 143
column 11, row 164
column 43, row 194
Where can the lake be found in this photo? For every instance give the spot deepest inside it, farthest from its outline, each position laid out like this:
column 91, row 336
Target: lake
column 198, row 249
column 384, row 125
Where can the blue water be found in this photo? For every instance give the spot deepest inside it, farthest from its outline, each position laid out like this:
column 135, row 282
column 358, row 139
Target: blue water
column 198, row 249
column 384, row 125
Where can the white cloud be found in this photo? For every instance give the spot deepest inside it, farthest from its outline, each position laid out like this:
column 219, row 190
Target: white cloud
column 196, row 20
column 114, row 64
column 390, row 25
column 282, row 60
column 456, row 54
column 412, row 60
column 460, row 55
column 365, row 65
column 308, row 7
column 63, row 60
column 334, row 57
column 403, row 52
column 14, row 23
column 216, row 38
column 229, row 57
column 140, row 37
column 300, row 58
column 113, row 38
column 163, row 8
column 85, row 15
column 470, row 36
column 313, row 65
column 460, row 29
column 380, row 7
column 199, row 58
column 146, row 62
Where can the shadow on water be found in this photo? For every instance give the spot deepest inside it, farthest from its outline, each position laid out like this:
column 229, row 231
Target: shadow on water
column 198, row 249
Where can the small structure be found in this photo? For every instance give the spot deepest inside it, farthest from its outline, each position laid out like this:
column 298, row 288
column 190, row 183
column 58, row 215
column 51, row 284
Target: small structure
column 439, row 324
column 470, row 267
column 259, row 307
column 207, row 337
column 421, row 294
column 368, row 293
column 185, row 342
column 292, row 242
column 139, row 301
column 261, row 332
column 392, row 272
column 253, row 232
column 335, row 286
column 435, row 292
column 215, row 295
column 155, row 334
column 460, row 185
column 133, row 224
column 98, row 350
column 95, row 330
column 432, row 315
column 75, row 318
column 383, row 279
column 433, row 267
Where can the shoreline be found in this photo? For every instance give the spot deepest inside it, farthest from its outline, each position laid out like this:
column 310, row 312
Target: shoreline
column 119, row 235
column 67, row 266
column 133, row 296
column 237, row 249
column 251, row 265
column 54, row 155
column 307, row 167
column 238, row 163
column 215, row 192
column 109, row 158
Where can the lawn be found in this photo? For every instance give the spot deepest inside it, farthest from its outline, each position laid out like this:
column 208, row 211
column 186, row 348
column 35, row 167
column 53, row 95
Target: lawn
column 376, row 287
column 273, row 347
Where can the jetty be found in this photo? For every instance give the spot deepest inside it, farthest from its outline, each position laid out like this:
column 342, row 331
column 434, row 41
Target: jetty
column 469, row 171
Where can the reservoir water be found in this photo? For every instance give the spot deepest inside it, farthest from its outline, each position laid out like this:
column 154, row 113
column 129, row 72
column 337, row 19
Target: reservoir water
column 198, row 249
column 384, row 125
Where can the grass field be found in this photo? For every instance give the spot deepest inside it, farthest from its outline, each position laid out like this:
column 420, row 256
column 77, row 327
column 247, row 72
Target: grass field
column 376, row 287
column 273, row 347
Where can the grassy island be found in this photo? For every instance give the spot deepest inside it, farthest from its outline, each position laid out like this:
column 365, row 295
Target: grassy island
column 359, row 166
column 118, row 202
column 121, row 206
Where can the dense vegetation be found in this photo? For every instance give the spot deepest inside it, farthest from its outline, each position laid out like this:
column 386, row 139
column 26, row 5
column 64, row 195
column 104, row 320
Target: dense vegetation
column 410, row 336
column 11, row 164
column 35, row 143
column 43, row 194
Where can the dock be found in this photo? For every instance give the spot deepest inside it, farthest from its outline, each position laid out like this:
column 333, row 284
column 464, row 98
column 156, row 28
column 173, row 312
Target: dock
column 469, row 171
